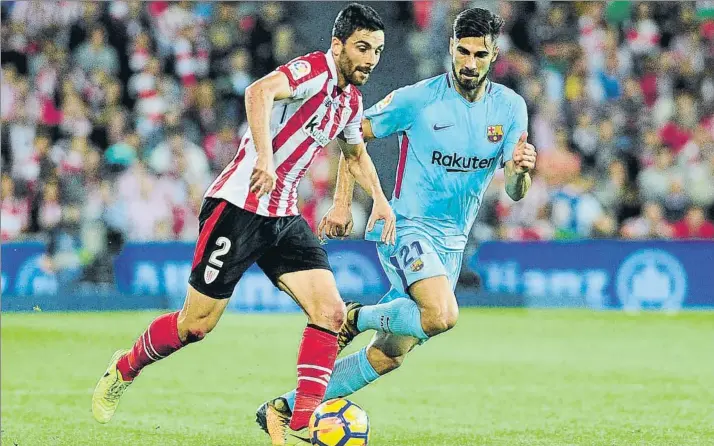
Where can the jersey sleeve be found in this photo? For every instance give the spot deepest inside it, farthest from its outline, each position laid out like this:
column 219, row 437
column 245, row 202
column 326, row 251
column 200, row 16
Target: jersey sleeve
column 395, row 112
column 519, row 124
column 301, row 73
column 353, row 130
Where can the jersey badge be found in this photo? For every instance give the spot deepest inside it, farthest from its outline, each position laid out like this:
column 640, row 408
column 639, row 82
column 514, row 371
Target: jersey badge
column 299, row 69
column 494, row 133
column 384, row 102
column 417, row 265
column 210, row 274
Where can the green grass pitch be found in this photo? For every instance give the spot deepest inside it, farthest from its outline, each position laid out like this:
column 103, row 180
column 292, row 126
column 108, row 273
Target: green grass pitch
column 501, row 377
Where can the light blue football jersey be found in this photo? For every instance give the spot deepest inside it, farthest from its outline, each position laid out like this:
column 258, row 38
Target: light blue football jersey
column 449, row 151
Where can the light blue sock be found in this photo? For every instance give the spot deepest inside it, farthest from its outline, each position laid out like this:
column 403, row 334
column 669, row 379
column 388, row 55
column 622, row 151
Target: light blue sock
column 400, row 316
column 351, row 373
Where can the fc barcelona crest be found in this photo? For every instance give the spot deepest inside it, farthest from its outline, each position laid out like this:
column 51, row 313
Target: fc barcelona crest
column 494, row 133
column 417, row 265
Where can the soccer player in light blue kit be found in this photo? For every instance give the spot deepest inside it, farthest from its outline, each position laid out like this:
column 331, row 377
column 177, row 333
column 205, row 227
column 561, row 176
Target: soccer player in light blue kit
column 454, row 131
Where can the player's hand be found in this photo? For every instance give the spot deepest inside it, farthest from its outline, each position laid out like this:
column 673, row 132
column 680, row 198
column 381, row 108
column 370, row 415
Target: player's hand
column 381, row 210
column 262, row 180
column 337, row 222
column 524, row 155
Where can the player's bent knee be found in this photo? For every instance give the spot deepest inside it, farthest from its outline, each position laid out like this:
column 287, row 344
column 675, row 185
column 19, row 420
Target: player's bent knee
column 450, row 318
column 327, row 313
column 439, row 321
column 192, row 326
column 194, row 330
column 433, row 327
column 199, row 316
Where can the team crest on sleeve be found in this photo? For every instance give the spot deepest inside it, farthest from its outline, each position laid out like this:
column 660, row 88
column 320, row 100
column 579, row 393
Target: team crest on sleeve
column 299, row 69
column 384, row 102
column 494, row 133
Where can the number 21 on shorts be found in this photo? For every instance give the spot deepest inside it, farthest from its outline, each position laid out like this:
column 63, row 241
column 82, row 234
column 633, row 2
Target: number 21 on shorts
column 408, row 255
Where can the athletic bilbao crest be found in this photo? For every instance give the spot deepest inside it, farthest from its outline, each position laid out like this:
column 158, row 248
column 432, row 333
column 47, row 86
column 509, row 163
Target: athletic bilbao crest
column 494, row 133
column 210, row 274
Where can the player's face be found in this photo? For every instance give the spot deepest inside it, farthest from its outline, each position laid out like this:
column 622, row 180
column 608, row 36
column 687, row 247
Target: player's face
column 471, row 59
column 357, row 57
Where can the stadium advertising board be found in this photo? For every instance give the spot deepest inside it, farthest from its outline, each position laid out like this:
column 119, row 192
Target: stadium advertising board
column 600, row 274
column 22, row 271
column 594, row 274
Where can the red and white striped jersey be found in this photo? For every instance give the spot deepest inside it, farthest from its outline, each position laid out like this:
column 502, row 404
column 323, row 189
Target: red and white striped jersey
column 300, row 126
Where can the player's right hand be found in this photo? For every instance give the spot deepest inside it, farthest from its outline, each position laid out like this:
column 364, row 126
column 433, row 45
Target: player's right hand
column 381, row 210
column 262, row 180
column 337, row 222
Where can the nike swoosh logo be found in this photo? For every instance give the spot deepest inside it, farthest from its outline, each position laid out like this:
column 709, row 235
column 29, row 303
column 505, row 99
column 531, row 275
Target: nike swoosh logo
column 442, row 127
column 306, row 440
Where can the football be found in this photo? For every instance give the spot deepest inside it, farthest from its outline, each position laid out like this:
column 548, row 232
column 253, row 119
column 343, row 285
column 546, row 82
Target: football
column 339, row 422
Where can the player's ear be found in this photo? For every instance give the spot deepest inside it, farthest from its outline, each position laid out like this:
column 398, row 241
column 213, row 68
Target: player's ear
column 495, row 54
column 337, row 46
column 451, row 46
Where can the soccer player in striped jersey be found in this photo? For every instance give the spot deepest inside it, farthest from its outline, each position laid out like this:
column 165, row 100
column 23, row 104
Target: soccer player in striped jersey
column 455, row 130
column 250, row 215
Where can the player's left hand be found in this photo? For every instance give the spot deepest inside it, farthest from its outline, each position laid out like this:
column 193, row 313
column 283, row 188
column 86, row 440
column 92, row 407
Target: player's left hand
column 381, row 210
column 336, row 223
column 524, row 155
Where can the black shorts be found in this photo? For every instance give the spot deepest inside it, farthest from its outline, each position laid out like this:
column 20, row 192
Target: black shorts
column 231, row 239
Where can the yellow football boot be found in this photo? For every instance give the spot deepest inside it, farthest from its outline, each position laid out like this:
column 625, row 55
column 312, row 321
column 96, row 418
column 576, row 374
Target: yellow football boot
column 274, row 418
column 110, row 388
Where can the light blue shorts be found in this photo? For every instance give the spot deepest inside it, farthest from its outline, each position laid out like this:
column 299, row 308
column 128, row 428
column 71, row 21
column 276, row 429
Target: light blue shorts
column 414, row 257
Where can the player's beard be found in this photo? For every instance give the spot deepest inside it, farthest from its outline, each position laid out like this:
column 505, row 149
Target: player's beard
column 470, row 84
column 351, row 71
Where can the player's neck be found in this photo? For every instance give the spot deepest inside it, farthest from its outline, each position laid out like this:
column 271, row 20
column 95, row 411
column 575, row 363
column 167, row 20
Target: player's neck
column 472, row 95
column 341, row 80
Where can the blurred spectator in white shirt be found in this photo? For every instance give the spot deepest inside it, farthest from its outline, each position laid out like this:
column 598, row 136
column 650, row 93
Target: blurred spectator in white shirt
column 96, row 54
column 163, row 159
column 650, row 224
column 147, row 212
column 15, row 211
column 655, row 180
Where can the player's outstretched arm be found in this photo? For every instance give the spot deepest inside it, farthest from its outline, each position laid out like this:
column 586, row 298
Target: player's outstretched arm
column 361, row 167
column 344, row 189
column 259, row 99
column 518, row 179
column 337, row 222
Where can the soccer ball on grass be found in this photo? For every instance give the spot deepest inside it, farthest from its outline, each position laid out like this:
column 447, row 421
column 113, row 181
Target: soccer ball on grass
column 339, row 422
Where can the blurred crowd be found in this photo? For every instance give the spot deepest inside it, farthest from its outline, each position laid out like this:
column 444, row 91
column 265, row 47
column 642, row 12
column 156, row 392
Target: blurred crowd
column 116, row 116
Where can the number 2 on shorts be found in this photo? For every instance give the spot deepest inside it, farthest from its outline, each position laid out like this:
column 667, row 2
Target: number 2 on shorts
column 224, row 245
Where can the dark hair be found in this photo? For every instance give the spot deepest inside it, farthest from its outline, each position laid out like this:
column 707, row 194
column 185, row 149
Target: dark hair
column 477, row 22
column 354, row 17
